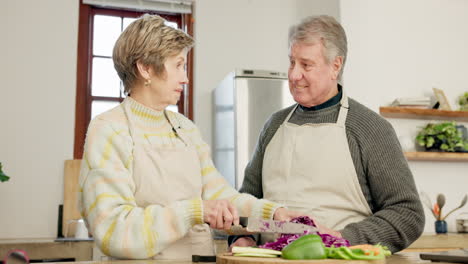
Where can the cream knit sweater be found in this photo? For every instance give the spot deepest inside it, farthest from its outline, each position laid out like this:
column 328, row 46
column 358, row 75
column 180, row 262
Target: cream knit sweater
column 121, row 228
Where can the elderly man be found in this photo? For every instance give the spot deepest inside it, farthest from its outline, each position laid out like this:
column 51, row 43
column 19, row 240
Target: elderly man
column 330, row 156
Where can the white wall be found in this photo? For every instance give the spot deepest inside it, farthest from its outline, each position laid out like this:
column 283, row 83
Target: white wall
column 404, row 48
column 37, row 101
column 397, row 48
column 243, row 34
column 37, row 112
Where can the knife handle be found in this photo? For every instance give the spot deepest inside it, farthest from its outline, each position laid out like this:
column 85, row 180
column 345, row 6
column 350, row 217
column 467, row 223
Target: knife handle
column 198, row 258
column 237, row 230
column 243, row 221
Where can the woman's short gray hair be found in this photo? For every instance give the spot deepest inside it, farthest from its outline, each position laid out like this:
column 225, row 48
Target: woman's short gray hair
column 324, row 29
column 151, row 41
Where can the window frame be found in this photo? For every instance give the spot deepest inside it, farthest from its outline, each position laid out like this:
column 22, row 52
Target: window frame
column 84, row 97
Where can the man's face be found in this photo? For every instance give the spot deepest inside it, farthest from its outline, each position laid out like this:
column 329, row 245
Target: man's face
column 312, row 81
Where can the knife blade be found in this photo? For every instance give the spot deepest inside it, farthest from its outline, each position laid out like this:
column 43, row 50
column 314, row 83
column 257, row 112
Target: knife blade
column 283, row 227
column 257, row 225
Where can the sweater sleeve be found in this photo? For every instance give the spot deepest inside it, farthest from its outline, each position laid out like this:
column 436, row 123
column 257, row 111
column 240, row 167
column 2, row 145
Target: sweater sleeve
column 398, row 216
column 119, row 226
column 216, row 187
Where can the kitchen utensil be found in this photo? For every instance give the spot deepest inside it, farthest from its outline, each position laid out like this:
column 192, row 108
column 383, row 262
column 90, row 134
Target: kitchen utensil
column 16, row 256
column 198, row 258
column 256, row 225
column 462, row 223
column 458, row 256
column 440, row 203
column 436, row 211
column 463, row 203
column 427, row 202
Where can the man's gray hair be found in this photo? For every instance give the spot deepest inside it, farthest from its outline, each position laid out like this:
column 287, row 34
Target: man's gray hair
column 324, row 29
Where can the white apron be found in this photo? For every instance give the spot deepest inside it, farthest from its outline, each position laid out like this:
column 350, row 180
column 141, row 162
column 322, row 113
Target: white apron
column 309, row 168
column 165, row 175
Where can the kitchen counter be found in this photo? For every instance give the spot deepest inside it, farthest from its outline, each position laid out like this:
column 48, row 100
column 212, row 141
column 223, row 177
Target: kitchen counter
column 399, row 258
column 49, row 249
column 82, row 251
column 439, row 242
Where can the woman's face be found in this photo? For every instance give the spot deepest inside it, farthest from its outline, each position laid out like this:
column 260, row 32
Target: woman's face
column 168, row 87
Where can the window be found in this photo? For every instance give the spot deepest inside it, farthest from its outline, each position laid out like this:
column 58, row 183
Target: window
column 98, row 85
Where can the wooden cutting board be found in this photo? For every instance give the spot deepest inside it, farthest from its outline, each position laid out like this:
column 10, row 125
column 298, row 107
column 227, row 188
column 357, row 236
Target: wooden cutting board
column 226, row 258
column 70, row 197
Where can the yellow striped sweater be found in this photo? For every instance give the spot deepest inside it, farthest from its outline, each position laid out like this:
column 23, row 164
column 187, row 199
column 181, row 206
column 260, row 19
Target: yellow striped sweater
column 107, row 202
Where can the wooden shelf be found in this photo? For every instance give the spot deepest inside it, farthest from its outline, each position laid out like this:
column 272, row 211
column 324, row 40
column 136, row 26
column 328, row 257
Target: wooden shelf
column 428, row 114
column 420, row 113
column 437, row 156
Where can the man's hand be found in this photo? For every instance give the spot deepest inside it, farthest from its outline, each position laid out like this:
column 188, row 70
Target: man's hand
column 283, row 214
column 243, row 242
column 325, row 230
column 220, row 214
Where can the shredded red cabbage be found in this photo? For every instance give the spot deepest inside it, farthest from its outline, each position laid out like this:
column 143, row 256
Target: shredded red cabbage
column 286, row 239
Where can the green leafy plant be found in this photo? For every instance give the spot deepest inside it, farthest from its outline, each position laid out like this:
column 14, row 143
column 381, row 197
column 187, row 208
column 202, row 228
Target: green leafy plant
column 3, row 177
column 463, row 102
column 442, row 137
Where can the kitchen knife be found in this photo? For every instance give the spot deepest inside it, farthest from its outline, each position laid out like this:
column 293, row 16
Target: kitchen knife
column 257, row 225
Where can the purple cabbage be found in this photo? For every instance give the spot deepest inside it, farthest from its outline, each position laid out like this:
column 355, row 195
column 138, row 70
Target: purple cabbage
column 286, row 239
column 330, row 241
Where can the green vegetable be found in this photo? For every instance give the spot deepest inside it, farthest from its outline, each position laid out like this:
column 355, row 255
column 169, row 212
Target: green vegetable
column 357, row 254
column 306, row 247
column 255, row 252
column 254, row 255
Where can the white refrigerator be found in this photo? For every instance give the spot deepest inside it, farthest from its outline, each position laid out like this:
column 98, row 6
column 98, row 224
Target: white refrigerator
column 242, row 103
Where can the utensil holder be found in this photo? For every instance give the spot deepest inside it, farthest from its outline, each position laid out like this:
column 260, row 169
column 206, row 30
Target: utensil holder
column 440, row 226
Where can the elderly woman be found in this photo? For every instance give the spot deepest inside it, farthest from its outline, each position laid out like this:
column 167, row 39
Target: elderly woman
column 148, row 185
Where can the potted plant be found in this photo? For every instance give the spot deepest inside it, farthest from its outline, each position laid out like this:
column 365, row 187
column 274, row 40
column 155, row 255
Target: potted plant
column 463, row 102
column 445, row 136
column 3, row 177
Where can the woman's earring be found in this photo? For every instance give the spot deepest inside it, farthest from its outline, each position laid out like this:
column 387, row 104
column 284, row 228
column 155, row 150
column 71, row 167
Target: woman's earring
column 147, row 82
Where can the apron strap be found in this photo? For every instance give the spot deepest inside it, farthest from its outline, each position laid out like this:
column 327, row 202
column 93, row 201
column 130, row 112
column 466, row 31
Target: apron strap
column 290, row 114
column 343, row 110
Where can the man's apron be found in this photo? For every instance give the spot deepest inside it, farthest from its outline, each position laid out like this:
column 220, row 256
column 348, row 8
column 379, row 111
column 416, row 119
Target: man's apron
column 309, row 168
column 164, row 175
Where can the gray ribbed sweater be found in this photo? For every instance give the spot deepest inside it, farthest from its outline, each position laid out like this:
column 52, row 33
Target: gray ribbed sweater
column 385, row 178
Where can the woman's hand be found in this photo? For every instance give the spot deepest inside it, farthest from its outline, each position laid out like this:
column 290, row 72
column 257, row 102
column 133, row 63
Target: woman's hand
column 220, row 214
column 283, row 214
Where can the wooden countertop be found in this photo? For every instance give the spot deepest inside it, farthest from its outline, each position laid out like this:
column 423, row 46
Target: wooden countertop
column 48, row 248
column 82, row 250
column 398, row 258
column 439, row 242
column 35, row 241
